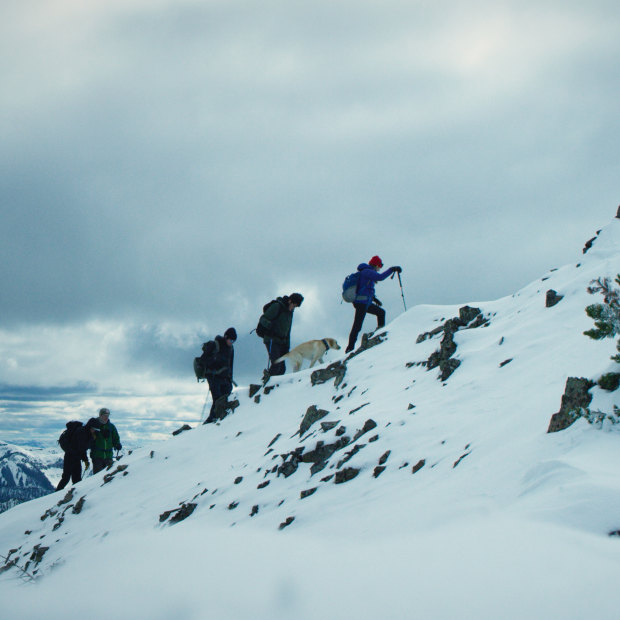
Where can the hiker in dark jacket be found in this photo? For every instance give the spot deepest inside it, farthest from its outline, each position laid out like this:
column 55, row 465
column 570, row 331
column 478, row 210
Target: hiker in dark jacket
column 365, row 300
column 277, row 321
column 217, row 359
column 105, row 439
column 77, row 442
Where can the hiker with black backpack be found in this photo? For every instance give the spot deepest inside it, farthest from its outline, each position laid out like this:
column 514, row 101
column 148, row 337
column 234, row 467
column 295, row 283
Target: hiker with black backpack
column 216, row 362
column 74, row 441
column 274, row 327
column 364, row 300
column 104, row 440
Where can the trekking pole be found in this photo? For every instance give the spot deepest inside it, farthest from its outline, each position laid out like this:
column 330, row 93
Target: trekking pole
column 402, row 293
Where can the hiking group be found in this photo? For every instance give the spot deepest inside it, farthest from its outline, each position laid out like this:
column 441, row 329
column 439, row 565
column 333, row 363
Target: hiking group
column 99, row 436
column 215, row 365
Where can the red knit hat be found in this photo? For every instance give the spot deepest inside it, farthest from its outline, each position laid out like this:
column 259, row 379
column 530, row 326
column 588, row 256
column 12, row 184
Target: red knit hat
column 375, row 261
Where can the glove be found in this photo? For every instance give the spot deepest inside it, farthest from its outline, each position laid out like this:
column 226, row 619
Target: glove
column 119, row 447
column 376, row 301
column 396, row 269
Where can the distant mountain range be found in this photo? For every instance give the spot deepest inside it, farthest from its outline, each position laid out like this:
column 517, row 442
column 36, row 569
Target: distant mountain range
column 27, row 473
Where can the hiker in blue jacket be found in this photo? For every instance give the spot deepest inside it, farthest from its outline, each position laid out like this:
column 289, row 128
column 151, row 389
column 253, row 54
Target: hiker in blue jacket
column 365, row 300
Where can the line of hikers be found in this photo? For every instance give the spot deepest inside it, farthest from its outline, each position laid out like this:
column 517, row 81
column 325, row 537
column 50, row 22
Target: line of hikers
column 215, row 365
column 99, row 436
column 274, row 327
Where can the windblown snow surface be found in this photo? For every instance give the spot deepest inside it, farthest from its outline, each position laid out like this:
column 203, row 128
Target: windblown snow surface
column 478, row 512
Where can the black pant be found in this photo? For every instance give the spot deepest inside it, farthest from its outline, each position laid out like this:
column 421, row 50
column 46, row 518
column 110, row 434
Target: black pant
column 360, row 313
column 71, row 470
column 276, row 350
column 220, row 387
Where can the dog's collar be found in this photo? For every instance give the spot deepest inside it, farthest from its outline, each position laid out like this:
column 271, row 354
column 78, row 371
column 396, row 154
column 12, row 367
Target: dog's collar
column 325, row 343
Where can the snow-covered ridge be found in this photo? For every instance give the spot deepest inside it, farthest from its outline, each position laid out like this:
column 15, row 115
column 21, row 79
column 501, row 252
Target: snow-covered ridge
column 384, row 455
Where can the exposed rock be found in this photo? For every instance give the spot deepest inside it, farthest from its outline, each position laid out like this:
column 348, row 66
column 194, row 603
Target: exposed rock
column 79, row 505
column 274, row 440
column 179, row 513
column 385, row 457
column 185, row 427
column 335, row 371
column 254, row 387
column 368, row 426
column 68, row 497
column 618, row 213
column 576, row 397
column 262, row 485
column 589, row 244
column 379, row 469
column 313, row 414
column 350, row 454
column 427, row 335
column 291, row 463
column 552, row 298
column 447, row 367
column 254, row 510
column 307, row 492
column 238, row 479
column 232, row 505
column 37, row 553
column 468, row 317
column 418, row 466
column 108, row 477
column 467, row 314
column 456, row 463
column 327, row 426
column 502, row 364
column 358, row 408
column 286, row 522
column 322, row 452
column 346, row 474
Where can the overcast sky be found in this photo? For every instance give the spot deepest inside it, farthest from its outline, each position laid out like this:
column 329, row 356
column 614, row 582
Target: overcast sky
column 168, row 166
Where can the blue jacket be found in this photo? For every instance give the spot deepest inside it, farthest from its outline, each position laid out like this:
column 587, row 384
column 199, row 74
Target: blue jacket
column 366, row 283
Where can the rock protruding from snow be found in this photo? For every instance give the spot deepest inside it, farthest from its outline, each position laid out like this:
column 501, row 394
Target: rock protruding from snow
column 576, row 397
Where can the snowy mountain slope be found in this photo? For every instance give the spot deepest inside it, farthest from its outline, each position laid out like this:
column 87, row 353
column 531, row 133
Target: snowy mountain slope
column 407, row 485
column 26, row 473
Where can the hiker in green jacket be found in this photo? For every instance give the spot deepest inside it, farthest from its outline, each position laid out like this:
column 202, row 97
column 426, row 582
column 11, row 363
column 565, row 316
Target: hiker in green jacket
column 105, row 439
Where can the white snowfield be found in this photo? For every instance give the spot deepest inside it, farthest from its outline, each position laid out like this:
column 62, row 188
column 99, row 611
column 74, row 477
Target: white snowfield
column 478, row 512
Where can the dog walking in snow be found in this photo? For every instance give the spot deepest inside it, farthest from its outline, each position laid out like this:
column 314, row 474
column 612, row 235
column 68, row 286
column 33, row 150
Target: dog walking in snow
column 313, row 350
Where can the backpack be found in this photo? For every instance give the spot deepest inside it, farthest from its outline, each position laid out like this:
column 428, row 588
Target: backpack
column 68, row 439
column 262, row 329
column 205, row 362
column 349, row 287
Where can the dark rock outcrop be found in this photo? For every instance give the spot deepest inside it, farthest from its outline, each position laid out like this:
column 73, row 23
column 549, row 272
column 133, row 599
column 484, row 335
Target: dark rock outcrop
column 552, row 298
column 335, row 371
column 346, row 474
column 443, row 357
column 313, row 414
column 576, row 397
column 185, row 427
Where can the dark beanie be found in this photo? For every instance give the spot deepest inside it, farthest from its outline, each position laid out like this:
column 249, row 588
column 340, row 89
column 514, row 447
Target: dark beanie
column 230, row 333
column 296, row 298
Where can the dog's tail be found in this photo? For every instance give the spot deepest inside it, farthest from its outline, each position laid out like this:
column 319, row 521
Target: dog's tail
column 280, row 359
